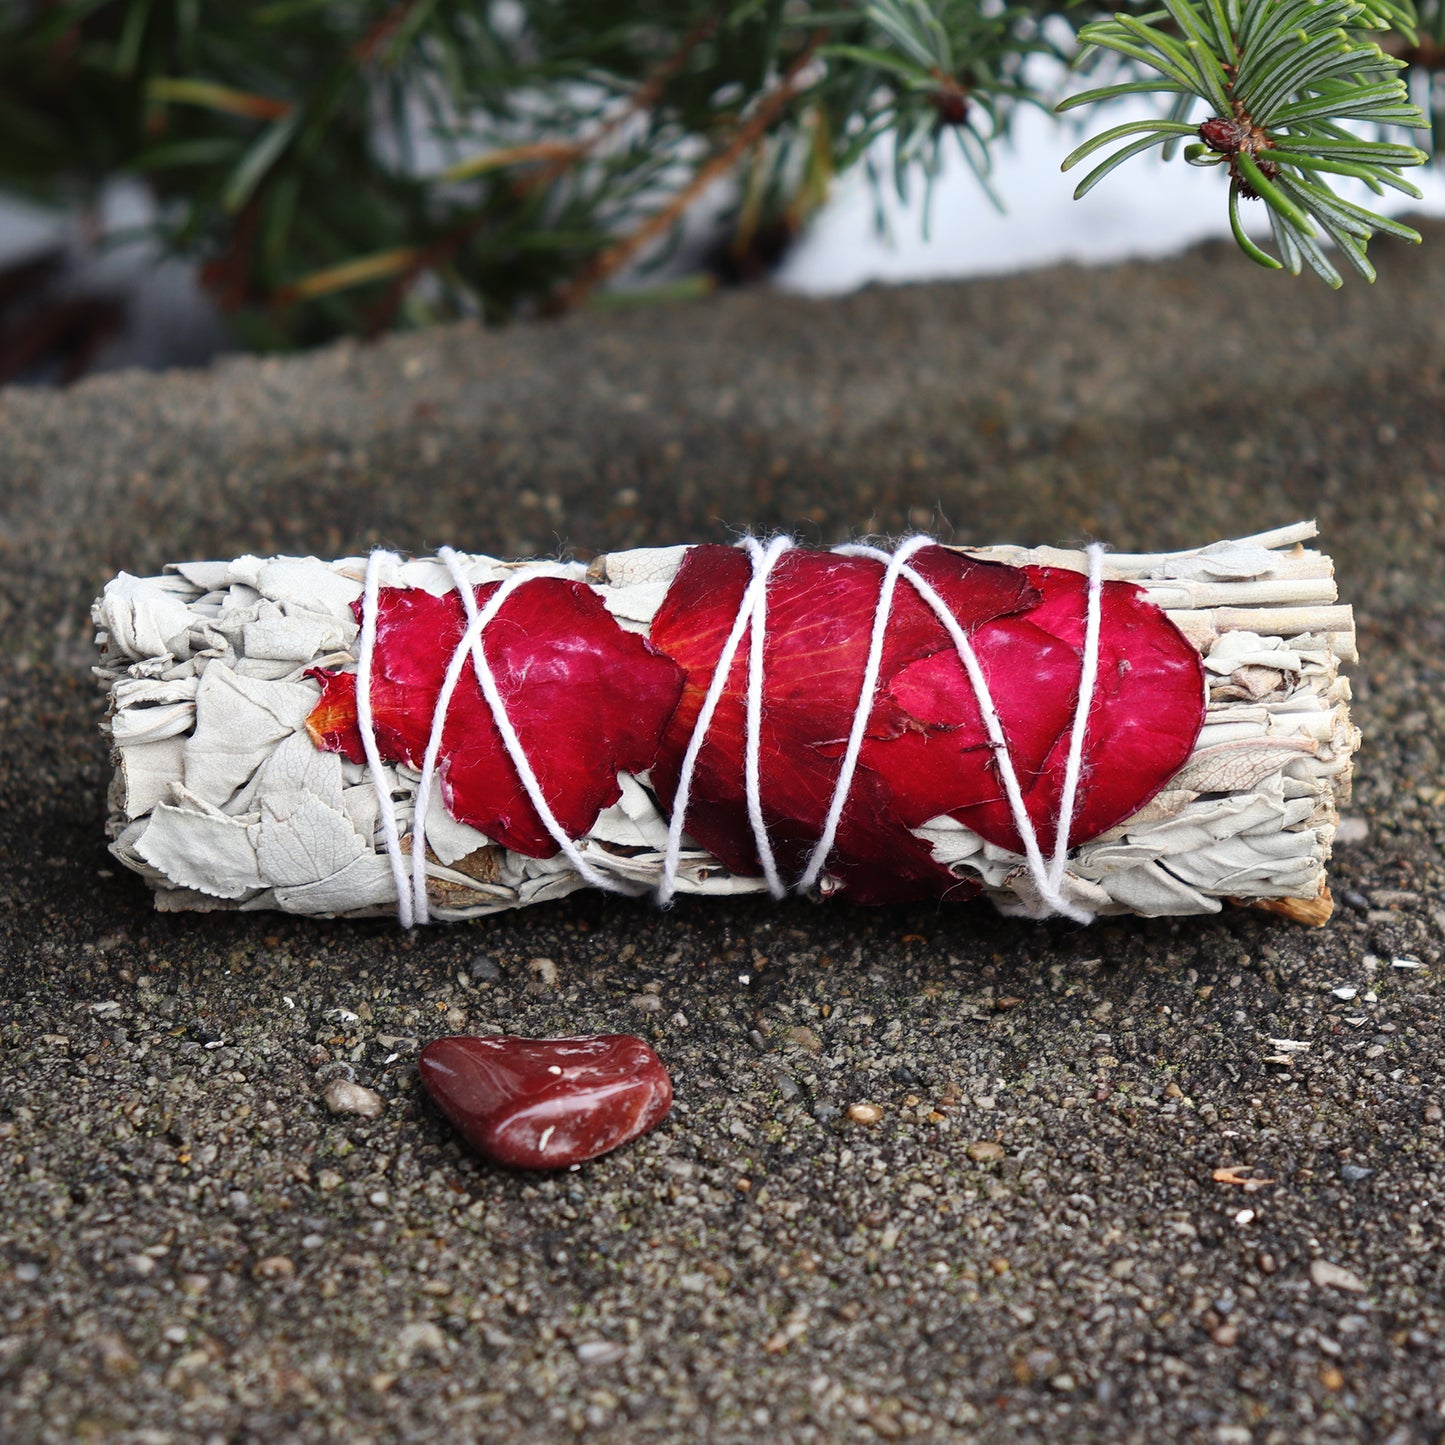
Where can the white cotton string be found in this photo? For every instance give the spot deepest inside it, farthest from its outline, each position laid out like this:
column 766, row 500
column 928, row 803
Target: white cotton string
column 1073, row 770
column 752, row 765
column 475, row 620
column 1048, row 878
column 866, row 694
column 450, row 678
column 367, row 726
column 763, row 560
column 471, row 643
column 1050, row 892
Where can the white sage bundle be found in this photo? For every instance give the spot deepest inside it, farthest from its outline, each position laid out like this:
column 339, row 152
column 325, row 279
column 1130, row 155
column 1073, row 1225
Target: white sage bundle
column 279, row 743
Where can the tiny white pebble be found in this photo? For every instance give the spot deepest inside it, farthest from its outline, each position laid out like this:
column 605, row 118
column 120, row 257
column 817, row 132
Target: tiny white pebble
column 1406, row 962
column 600, row 1352
column 554, row 1068
column 1245, row 1216
column 344, row 1097
column 1345, row 991
column 745, row 978
column 1325, row 1274
column 1289, row 1046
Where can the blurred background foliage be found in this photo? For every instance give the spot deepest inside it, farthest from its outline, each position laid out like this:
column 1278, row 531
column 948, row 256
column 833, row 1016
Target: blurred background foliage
column 348, row 166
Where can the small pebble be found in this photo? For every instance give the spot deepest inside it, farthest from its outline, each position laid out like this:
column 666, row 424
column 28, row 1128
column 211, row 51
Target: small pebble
column 483, row 968
column 114, row 1356
column 864, row 1113
column 600, row 1352
column 1353, row 1173
column 1327, row 1275
column 984, row 1149
column 275, row 1266
column 344, row 1097
column 422, row 1338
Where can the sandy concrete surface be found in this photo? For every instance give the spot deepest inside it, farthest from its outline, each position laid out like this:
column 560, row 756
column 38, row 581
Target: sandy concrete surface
column 1030, row 1245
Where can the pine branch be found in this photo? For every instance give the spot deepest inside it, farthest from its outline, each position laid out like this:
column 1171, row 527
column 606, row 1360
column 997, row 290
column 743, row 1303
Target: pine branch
column 350, row 166
column 1280, row 77
column 747, row 135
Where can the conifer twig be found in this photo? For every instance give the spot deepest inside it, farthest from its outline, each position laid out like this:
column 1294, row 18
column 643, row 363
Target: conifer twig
column 747, row 134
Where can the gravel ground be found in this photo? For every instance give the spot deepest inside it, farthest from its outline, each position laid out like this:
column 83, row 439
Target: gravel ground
column 1029, row 1245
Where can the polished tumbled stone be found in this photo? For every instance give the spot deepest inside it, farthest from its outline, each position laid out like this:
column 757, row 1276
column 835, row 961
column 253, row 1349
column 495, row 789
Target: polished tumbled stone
column 547, row 1103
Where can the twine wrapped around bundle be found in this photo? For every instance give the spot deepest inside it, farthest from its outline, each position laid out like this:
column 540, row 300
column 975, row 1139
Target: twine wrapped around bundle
column 259, row 711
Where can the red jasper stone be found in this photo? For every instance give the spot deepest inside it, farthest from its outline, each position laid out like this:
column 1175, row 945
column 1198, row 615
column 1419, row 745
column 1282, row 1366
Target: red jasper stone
column 547, row 1103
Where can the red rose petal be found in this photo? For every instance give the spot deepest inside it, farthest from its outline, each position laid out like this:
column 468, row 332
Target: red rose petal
column 547, row 1103
column 332, row 722
column 586, row 699
column 948, row 761
column 819, row 621
column 926, row 751
column 1148, row 707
